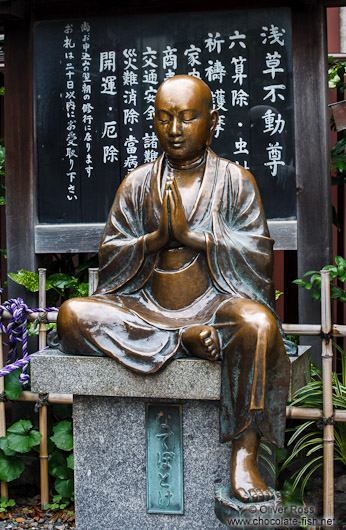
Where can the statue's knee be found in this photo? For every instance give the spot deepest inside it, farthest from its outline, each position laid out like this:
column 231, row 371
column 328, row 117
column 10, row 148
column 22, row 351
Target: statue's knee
column 259, row 318
column 68, row 314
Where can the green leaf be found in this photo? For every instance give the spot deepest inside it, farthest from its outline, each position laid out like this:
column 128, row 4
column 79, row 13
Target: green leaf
column 309, row 273
column 13, row 387
column 11, row 467
column 281, row 454
column 299, row 282
column 339, row 260
column 82, row 289
column 329, row 268
column 21, row 436
column 62, row 281
column 57, row 498
column 316, row 279
column 70, row 461
column 5, row 448
column 27, row 278
column 64, row 487
column 278, row 294
column 316, row 295
column 57, row 465
column 63, row 437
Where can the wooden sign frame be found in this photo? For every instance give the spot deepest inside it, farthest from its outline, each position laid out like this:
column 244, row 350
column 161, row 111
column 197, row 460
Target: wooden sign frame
column 310, row 235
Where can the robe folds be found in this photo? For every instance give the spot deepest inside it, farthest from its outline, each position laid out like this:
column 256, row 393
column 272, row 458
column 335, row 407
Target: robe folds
column 144, row 301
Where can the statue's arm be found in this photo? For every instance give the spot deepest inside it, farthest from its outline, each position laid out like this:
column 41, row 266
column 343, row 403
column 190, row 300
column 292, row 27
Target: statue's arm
column 158, row 239
column 180, row 229
column 122, row 253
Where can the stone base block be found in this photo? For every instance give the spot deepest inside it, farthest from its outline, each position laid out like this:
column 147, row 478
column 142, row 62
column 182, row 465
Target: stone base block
column 110, row 472
column 110, row 443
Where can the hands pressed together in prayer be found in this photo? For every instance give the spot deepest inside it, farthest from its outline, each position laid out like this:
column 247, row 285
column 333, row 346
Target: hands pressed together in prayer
column 173, row 224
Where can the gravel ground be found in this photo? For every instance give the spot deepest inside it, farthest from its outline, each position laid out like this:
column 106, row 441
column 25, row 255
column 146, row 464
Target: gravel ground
column 27, row 515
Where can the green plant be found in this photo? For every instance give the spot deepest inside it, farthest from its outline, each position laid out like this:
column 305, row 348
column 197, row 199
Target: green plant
column 336, row 77
column 278, row 294
column 65, row 285
column 336, row 73
column 6, row 503
column 59, row 503
column 20, row 438
column 60, row 462
column 337, row 279
column 307, row 451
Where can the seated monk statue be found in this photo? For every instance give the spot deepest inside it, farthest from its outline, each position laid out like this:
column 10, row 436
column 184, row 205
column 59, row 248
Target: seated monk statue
column 186, row 266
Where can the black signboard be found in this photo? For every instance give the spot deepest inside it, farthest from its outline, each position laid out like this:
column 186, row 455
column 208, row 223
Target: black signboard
column 95, row 85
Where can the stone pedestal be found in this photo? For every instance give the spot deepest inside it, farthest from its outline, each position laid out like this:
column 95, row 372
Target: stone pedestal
column 109, row 438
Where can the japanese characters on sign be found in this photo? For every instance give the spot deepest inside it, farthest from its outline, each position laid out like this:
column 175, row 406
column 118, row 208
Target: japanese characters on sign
column 71, row 138
column 164, row 459
column 109, row 72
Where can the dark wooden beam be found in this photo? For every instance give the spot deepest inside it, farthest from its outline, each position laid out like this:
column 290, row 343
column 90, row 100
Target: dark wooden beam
column 20, row 200
column 13, row 9
column 312, row 149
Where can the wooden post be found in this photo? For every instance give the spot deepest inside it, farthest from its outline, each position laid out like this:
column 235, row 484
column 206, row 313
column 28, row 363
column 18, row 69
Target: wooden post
column 20, row 196
column 43, row 409
column 312, row 141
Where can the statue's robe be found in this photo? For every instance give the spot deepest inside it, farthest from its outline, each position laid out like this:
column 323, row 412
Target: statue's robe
column 144, row 301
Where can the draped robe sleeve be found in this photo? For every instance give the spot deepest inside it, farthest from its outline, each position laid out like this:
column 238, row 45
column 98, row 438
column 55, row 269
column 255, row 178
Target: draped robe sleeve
column 238, row 247
column 124, row 267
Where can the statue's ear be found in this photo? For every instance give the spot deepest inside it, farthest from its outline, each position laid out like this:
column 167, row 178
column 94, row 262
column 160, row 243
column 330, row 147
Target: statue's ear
column 214, row 118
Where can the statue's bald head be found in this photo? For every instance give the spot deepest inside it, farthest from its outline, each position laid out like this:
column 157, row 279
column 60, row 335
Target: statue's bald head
column 188, row 86
column 184, row 120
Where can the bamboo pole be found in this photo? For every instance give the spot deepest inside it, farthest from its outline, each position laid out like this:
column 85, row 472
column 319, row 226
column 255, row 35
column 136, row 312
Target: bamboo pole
column 61, row 399
column 93, row 280
column 301, row 413
column 338, row 330
column 327, row 369
column 4, row 485
column 42, row 339
column 302, row 329
column 43, row 408
column 44, row 456
column 49, row 317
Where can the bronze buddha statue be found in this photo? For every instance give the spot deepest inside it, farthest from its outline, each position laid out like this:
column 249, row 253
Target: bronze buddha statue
column 186, row 266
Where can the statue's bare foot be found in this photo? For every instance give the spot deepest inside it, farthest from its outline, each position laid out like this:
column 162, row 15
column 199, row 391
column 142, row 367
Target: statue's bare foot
column 203, row 342
column 246, row 482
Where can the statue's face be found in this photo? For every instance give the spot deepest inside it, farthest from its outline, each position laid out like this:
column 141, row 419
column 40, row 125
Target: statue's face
column 183, row 121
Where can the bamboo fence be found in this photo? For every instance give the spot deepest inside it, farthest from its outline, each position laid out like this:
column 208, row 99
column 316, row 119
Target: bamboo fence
column 329, row 415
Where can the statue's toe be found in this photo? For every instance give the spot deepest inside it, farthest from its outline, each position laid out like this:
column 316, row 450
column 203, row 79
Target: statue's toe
column 270, row 494
column 242, row 495
column 205, row 334
column 262, row 496
column 254, row 494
